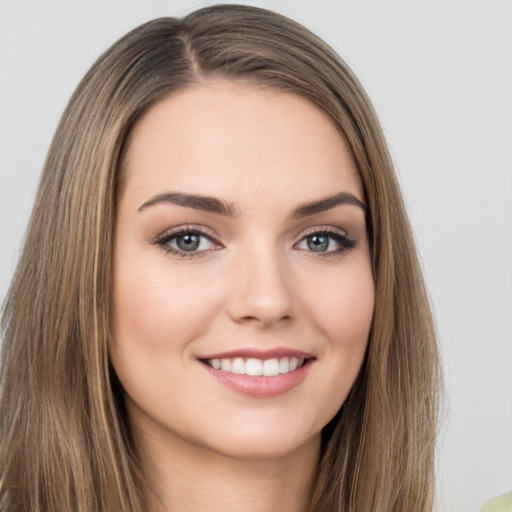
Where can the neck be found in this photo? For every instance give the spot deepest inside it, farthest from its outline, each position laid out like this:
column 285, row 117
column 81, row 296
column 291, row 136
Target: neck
column 186, row 478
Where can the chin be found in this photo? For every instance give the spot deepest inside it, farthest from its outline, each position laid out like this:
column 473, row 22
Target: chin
column 264, row 449
column 264, row 441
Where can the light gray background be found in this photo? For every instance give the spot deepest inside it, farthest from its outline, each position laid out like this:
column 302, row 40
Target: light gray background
column 440, row 76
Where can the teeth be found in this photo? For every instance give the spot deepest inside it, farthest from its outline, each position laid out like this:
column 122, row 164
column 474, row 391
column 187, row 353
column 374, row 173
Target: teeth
column 284, row 365
column 238, row 366
column 257, row 367
column 254, row 367
column 271, row 367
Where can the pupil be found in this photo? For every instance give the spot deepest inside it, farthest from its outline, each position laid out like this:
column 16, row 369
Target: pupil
column 188, row 242
column 318, row 243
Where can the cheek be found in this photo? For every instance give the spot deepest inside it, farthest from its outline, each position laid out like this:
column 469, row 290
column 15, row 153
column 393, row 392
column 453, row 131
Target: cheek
column 154, row 306
column 342, row 308
column 157, row 313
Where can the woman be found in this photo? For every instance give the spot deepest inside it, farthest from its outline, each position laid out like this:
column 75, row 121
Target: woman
column 226, row 308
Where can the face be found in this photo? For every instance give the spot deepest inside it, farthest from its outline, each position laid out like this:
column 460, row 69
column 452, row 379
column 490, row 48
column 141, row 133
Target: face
column 243, row 292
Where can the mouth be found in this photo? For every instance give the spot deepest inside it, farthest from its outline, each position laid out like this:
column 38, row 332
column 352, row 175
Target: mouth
column 256, row 367
column 261, row 374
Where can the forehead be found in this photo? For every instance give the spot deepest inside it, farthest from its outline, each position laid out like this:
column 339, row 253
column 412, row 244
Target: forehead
column 230, row 139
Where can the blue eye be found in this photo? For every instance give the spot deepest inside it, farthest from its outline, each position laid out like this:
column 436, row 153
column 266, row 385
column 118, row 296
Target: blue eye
column 326, row 242
column 189, row 242
column 186, row 242
column 319, row 243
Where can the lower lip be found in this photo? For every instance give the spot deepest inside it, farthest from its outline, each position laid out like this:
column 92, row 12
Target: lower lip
column 261, row 387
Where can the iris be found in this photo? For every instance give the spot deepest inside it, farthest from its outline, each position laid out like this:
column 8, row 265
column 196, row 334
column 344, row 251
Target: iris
column 189, row 242
column 318, row 243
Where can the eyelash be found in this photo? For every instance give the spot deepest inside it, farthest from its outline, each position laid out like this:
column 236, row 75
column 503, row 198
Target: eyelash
column 340, row 237
column 345, row 243
column 164, row 240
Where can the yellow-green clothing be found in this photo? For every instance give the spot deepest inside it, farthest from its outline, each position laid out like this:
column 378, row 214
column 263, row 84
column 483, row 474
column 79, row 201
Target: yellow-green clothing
column 499, row 504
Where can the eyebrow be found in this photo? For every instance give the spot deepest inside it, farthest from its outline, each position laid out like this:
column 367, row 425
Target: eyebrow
column 214, row 205
column 326, row 204
column 197, row 202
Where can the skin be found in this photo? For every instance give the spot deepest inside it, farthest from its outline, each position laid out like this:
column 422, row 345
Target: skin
column 255, row 284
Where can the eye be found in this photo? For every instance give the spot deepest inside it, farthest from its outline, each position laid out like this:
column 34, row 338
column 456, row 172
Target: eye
column 326, row 242
column 186, row 242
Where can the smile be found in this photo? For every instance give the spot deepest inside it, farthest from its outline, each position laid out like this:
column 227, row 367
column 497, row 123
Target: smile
column 256, row 367
column 259, row 373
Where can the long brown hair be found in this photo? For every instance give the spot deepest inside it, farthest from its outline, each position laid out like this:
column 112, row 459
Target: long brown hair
column 65, row 441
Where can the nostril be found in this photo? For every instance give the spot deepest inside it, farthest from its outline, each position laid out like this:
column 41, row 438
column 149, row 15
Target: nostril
column 264, row 319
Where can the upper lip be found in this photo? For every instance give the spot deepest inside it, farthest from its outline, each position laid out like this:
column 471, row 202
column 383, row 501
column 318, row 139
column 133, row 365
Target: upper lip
column 259, row 353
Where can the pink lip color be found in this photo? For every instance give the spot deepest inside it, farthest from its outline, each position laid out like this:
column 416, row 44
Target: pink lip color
column 261, row 387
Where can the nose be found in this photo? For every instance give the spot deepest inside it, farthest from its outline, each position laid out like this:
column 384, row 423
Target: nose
column 261, row 290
